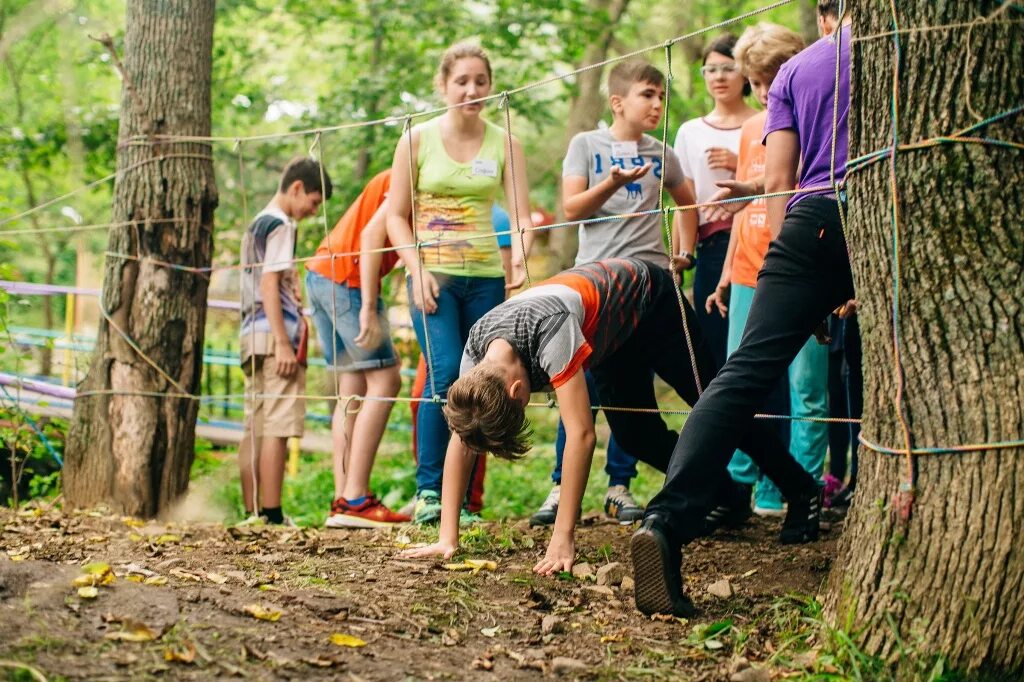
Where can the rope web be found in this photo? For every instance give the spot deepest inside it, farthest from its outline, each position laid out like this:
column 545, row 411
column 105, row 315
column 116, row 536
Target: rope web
column 966, row 136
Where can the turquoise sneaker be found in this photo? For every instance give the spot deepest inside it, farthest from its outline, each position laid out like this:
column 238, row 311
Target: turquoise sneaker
column 428, row 508
column 468, row 518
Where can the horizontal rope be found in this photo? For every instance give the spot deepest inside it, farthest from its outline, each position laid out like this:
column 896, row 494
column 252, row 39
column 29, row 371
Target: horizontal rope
column 944, row 450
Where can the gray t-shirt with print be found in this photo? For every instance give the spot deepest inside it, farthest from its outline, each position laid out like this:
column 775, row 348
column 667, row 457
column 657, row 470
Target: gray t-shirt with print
column 590, row 155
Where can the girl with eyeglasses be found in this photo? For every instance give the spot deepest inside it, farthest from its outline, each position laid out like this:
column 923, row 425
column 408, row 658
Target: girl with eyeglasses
column 707, row 147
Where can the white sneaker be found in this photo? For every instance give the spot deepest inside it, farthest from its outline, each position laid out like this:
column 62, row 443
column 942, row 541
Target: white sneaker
column 545, row 516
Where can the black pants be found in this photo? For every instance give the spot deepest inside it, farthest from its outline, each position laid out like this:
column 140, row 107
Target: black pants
column 806, row 275
column 659, row 345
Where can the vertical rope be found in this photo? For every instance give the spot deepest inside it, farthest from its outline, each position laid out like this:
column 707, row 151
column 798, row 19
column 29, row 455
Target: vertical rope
column 666, row 219
column 407, row 132
column 504, row 102
column 256, row 399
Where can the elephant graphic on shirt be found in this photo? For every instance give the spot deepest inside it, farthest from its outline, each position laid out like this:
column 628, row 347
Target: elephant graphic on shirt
column 634, row 191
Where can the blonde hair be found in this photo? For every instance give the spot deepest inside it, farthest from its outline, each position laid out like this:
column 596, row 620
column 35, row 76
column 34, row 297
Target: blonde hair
column 624, row 74
column 460, row 50
column 764, row 47
column 485, row 416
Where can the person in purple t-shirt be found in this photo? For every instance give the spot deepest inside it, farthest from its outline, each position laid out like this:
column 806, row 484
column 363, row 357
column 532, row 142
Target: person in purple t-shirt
column 806, row 275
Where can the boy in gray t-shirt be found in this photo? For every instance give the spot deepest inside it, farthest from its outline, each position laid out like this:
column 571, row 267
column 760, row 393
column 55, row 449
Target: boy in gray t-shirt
column 616, row 171
column 595, row 160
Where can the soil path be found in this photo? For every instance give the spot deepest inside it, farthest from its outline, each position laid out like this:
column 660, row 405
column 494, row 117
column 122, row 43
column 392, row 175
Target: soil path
column 198, row 597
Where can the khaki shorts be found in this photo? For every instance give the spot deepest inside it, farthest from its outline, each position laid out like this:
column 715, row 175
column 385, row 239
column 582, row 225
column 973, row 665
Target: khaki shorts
column 277, row 409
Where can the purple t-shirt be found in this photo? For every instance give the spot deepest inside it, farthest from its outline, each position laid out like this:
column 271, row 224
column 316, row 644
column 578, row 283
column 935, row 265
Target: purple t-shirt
column 801, row 99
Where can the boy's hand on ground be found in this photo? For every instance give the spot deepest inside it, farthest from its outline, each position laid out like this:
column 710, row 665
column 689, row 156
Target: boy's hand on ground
column 719, row 299
column 369, row 329
column 621, row 177
column 284, row 358
column 720, row 157
column 730, row 189
column 425, row 291
column 559, row 557
column 445, row 550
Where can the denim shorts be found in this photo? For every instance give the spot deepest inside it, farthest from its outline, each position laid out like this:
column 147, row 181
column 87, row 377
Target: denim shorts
column 336, row 316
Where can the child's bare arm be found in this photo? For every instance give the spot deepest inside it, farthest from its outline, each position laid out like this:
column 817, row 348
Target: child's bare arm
column 284, row 354
column 574, row 408
column 371, row 241
column 782, row 158
column 458, row 463
column 684, row 225
column 580, row 202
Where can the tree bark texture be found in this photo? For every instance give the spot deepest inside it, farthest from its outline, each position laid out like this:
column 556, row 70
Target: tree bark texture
column 132, row 434
column 947, row 578
column 584, row 113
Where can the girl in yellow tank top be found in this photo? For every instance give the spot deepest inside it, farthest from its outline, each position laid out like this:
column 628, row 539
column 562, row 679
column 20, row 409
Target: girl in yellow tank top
column 445, row 177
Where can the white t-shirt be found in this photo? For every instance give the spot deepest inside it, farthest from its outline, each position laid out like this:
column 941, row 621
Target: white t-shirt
column 693, row 140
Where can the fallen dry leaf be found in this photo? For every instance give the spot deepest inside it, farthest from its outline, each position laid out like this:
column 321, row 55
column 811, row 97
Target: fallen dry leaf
column 257, row 611
column 475, row 565
column 155, row 580
column 167, row 539
column 89, row 592
column 186, row 655
column 216, row 578
column 341, row 639
column 133, row 631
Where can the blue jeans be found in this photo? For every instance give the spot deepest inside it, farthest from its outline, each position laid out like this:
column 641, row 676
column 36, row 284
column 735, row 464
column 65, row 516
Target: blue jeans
column 462, row 301
column 620, row 465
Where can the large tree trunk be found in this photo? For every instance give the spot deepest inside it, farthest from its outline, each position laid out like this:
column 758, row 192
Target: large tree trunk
column 584, row 113
column 131, row 438
column 944, row 574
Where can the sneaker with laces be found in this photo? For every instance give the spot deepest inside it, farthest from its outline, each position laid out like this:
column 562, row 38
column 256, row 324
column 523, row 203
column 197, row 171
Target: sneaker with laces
column 620, row 505
column 658, row 585
column 732, row 510
column 427, row 509
column 803, row 519
column 371, row 513
column 545, row 516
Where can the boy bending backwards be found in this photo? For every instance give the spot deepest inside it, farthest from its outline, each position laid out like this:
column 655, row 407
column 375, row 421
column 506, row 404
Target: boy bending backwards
column 617, row 316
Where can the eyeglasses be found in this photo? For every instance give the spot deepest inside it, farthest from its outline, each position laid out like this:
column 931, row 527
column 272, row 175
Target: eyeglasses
column 715, row 69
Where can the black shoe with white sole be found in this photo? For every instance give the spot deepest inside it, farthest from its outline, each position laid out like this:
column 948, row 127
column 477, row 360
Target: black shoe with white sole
column 656, row 565
column 803, row 519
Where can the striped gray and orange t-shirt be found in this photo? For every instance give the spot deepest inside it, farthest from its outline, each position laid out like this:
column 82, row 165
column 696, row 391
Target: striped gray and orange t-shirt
column 568, row 322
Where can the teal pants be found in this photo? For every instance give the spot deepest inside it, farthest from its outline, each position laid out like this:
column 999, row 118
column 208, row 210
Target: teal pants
column 808, row 397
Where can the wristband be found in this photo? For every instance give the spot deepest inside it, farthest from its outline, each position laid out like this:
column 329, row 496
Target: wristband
column 693, row 259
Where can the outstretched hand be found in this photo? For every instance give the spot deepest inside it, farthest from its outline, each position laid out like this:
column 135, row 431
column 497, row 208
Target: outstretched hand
column 730, row 189
column 445, row 550
column 621, row 177
column 719, row 300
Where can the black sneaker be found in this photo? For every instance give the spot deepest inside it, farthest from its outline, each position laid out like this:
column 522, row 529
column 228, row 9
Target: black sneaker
column 732, row 510
column 656, row 566
column 803, row 519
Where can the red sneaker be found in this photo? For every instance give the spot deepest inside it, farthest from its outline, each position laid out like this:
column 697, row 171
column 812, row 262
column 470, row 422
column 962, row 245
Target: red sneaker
column 370, row 514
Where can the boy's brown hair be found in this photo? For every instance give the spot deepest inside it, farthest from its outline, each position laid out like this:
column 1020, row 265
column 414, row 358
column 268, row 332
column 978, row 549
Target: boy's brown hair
column 485, row 416
column 308, row 171
column 624, row 74
column 764, row 48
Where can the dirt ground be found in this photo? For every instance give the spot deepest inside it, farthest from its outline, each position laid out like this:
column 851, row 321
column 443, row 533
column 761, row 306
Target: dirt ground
column 209, row 602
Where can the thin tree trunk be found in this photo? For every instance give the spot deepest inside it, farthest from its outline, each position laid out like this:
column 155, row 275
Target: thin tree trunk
column 584, row 113
column 944, row 575
column 131, row 438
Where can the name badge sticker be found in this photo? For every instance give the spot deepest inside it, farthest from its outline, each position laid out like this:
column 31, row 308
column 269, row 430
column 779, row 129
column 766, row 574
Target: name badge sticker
column 488, row 168
column 624, row 150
